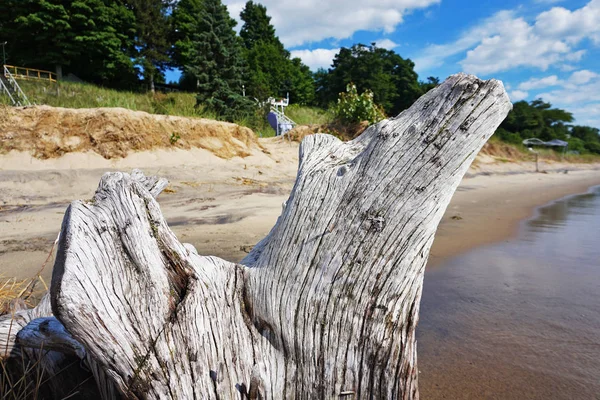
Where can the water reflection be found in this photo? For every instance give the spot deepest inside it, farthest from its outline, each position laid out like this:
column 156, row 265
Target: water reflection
column 519, row 319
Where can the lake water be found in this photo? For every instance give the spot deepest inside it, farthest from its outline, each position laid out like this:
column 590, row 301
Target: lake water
column 519, row 319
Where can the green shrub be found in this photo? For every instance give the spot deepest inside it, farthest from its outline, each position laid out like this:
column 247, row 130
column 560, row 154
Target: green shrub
column 508, row 137
column 353, row 107
column 576, row 144
column 593, row 147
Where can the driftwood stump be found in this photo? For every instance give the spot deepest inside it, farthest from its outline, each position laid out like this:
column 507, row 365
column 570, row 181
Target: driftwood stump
column 325, row 306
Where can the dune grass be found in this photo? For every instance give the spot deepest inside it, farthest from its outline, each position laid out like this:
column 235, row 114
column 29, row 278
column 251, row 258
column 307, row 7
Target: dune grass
column 83, row 95
column 303, row 115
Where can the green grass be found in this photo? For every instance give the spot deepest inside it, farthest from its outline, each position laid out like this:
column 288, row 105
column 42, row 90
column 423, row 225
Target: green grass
column 304, row 115
column 80, row 95
column 83, row 95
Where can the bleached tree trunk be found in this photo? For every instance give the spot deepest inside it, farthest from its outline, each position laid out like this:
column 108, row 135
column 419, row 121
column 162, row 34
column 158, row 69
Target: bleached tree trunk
column 325, row 306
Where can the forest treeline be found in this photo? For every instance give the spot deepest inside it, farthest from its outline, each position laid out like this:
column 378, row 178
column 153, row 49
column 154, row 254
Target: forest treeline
column 129, row 44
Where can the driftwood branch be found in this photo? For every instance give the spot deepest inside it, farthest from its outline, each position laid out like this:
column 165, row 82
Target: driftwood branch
column 325, row 306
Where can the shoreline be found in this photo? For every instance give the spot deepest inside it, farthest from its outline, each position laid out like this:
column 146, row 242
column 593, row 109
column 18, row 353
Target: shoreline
column 489, row 209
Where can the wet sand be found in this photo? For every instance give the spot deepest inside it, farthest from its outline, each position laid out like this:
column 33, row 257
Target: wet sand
column 488, row 209
column 518, row 319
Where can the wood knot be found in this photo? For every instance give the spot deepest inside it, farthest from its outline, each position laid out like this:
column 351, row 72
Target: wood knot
column 383, row 135
column 377, row 223
column 466, row 124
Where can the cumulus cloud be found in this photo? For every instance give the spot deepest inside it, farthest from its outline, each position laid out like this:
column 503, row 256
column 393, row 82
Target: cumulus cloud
column 582, row 77
column 507, row 41
column 306, row 21
column 579, row 94
column 581, row 87
column 518, row 95
column 535, row 83
column 435, row 55
column 317, row 58
column 386, row 44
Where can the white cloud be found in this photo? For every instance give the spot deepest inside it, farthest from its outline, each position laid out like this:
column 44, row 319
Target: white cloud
column 386, row 44
column 518, row 95
column 582, row 77
column 317, row 58
column 578, row 93
column 535, row 83
column 506, row 41
column 567, row 67
column 434, row 55
column 588, row 114
column 305, row 21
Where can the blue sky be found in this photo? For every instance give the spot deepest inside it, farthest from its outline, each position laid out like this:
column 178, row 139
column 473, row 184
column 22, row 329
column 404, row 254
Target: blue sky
column 538, row 48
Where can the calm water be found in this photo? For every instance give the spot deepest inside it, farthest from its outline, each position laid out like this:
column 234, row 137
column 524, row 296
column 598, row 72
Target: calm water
column 520, row 319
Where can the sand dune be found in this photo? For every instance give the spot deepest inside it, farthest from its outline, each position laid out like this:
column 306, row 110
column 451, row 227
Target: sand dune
column 223, row 207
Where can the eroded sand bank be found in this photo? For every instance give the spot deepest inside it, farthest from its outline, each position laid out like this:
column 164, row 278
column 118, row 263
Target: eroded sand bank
column 223, row 207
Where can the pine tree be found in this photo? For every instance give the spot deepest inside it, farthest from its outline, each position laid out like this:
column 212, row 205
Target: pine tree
column 271, row 72
column 216, row 62
column 91, row 38
column 186, row 16
column 257, row 26
column 152, row 37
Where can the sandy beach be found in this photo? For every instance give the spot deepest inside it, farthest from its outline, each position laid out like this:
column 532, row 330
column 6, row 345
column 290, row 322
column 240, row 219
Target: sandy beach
column 223, row 207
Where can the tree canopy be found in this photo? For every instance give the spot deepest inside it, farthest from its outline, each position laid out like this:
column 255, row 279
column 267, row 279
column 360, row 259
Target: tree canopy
column 91, row 38
column 216, row 61
column 124, row 43
column 538, row 119
column 271, row 72
column 151, row 39
column 391, row 78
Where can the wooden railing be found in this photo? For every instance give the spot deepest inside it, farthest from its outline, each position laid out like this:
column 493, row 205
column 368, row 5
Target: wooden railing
column 31, row 73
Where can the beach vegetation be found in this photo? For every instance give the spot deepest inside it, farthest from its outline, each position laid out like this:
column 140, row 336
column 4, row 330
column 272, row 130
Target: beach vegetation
column 115, row 53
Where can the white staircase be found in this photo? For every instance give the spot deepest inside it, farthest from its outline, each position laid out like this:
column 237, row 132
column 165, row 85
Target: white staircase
column 9, row 85
column 284, row 123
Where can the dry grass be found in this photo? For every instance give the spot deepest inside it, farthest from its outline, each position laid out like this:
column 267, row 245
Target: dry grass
column 24, row 385
column 342, row 131
column 49, row 132
column 11, row 290
column 506, row 152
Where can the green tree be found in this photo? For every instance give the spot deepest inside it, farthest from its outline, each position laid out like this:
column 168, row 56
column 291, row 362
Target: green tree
column 538, row 119
column 302, row 83
column 271, row 72
column 431, row 83
column 353, row 107
column 589, row 136
column 152, row 38
column 186, row 16
column 91, row 38
column 257, row 26
column 391, row 78
column 216, row 62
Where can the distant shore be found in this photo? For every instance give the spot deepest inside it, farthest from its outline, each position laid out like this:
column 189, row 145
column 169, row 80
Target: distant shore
column 488, row 209
column 223, row 207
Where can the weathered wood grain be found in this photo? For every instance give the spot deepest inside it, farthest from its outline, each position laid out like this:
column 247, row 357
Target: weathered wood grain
column 325, row 306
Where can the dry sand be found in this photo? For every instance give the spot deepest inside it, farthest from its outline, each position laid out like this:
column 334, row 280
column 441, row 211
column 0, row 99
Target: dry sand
column 223, row 207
